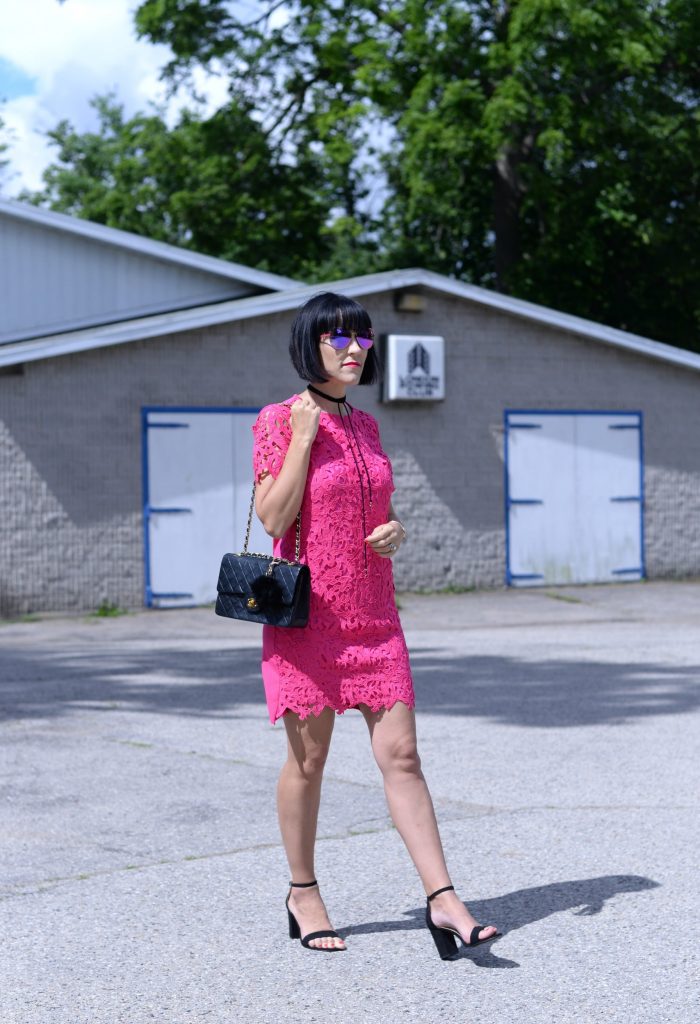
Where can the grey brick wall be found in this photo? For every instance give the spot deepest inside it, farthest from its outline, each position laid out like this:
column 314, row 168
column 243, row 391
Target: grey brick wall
column 672, row 522
column 70, row 446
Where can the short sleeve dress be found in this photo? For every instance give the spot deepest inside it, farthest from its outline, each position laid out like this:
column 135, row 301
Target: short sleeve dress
column 353, row 649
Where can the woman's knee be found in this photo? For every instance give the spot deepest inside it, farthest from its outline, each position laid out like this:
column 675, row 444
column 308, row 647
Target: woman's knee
column 399, row 758
column 309, row 760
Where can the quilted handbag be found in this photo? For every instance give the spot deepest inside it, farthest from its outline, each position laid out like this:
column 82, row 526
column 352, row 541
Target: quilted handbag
column 263, row 588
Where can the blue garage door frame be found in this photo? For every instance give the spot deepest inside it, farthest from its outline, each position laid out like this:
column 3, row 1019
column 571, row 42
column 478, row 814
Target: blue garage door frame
column 519, row 423
column 211, row 502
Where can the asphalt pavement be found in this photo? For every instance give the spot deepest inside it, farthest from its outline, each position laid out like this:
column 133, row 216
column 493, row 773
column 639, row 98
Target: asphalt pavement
column 143, row 877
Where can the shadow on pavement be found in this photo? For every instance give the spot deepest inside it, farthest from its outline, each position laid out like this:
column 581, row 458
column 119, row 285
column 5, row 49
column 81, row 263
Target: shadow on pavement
column 555, row 692
column 585, row 897
column 552, row 693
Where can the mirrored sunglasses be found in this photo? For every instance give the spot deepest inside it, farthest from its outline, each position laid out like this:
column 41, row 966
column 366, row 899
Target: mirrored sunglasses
column 341, row 338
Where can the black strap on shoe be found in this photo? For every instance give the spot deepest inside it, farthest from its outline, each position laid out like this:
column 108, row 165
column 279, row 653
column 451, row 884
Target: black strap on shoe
column 303, row 885
column 445, row 888
column 320, row 935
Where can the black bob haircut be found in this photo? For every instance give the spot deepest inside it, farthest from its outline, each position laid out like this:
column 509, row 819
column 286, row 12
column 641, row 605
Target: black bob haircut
column 322, row 313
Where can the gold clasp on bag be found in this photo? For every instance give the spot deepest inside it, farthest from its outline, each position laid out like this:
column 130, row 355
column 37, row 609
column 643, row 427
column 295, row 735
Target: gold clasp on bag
column 252, row 604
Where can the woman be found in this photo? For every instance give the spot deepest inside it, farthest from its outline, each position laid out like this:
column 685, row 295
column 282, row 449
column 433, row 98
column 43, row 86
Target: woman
column 315, row 454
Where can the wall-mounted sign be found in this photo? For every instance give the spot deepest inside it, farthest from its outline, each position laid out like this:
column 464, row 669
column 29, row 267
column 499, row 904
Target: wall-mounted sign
column 415, row 368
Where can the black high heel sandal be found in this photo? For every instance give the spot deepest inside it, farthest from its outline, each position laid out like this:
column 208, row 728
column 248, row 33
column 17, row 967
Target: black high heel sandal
column 444, row 938
column 295, row 932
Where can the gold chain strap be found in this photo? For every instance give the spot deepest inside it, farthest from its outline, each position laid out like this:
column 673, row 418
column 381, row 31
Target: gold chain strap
column 297, row 546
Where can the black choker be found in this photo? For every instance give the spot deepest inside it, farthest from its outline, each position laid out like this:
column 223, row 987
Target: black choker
column 330, row 398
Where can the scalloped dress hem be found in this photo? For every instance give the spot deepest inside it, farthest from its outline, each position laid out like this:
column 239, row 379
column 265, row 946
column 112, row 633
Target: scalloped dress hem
column 374, row 706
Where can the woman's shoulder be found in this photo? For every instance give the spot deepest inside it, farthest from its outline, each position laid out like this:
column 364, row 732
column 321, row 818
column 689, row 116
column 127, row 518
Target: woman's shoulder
column 275, row 415
column 282, row 408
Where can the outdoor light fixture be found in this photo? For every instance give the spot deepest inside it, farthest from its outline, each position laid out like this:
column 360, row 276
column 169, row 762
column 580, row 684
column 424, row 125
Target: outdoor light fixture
column 410, row 302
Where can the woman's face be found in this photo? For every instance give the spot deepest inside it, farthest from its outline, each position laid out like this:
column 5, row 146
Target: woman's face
column 344, row 365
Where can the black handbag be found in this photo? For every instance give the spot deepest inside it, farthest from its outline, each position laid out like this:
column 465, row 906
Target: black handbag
column 263, row 588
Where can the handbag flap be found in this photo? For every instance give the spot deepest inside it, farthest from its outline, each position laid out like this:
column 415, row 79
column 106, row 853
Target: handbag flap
column 245, row 576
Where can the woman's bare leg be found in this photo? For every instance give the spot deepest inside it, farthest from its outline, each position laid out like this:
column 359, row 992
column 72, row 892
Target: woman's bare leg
column 393, row 736
column 298, row 799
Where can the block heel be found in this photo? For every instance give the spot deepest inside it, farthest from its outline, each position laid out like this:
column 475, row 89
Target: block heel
column 294, row 932
column 444, row 940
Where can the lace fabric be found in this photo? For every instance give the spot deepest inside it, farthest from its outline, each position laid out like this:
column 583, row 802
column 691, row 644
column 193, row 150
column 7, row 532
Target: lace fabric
column 353, row 650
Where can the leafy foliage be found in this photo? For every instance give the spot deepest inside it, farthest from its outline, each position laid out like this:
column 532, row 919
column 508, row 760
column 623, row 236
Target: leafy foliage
column 548, row 148
column 211, row 184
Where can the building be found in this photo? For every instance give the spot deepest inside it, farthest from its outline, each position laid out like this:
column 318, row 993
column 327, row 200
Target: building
column 131, row 371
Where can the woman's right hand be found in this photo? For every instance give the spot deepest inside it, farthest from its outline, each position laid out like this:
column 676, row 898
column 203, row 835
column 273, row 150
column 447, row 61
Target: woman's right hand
column 305, row 415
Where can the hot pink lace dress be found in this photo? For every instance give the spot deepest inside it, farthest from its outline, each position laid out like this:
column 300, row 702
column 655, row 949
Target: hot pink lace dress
column 353, row 650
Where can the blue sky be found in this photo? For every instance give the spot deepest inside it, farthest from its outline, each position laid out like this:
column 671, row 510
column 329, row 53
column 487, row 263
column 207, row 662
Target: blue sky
column 14, row 81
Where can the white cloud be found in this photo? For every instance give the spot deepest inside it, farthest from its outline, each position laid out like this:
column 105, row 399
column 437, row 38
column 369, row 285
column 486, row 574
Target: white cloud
column 29, row 153
column 75, row 51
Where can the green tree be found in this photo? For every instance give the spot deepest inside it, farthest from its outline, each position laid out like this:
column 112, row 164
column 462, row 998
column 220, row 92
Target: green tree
column 211, row 184
column 548, row 148
column 571, row 133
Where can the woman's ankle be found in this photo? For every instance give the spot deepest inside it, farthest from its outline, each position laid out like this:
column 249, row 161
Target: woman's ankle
column 299, row 894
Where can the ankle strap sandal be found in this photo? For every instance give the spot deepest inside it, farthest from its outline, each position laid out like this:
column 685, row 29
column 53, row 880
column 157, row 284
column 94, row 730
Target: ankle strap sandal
column 444, row 938
column 295, row 932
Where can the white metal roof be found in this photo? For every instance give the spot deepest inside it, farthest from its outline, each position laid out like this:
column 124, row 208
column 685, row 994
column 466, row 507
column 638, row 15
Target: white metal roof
column 291, row 298
column 145, row 246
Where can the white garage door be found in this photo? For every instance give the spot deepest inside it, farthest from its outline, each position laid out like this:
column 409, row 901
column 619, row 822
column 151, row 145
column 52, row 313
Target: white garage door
column 574, row 497
column 198, row 475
